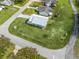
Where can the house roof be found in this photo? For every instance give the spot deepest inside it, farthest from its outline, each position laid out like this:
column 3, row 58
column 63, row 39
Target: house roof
column 44, row 8
column 5, row 2
column 49, row 2
column 38, row 20
column 1, row 8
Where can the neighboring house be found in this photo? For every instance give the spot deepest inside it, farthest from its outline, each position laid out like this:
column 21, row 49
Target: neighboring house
column 1, row 7
column 49, row 2
column 6, row 2
column 38, row 20
column 45, row 11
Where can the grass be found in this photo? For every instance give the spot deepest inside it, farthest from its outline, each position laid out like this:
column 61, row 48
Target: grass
column 7, row 13
column 21, row 3
column 76, row 47
column 30, row 11
column 36, row 4
column 57, row 33
column 6, row 48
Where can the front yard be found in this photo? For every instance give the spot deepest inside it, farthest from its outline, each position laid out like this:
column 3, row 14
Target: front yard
column 6, row 13
column 57, row 33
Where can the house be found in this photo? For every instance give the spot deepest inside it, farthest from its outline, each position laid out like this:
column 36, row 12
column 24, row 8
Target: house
column 44, row 11
column 6, row 2
column 49, row 2
column 38, row 20
column 1, row 8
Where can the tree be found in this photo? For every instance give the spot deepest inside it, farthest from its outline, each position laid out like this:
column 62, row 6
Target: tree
column 77, row 2
column 28, row 53
column 19, row 1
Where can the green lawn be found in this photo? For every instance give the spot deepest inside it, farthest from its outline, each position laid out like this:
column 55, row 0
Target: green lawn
column 30, row 11
column 7, row 13
column 36, row 4
column 57, row 33
column 21, row 3
column 6, row 48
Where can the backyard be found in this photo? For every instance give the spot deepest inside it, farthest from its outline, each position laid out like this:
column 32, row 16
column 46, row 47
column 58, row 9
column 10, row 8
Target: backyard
column 36, row 4
column 6, row 13
column 57, row 33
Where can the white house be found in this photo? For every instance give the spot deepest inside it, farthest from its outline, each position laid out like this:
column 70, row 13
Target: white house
column 38, row 20
column 1, row 7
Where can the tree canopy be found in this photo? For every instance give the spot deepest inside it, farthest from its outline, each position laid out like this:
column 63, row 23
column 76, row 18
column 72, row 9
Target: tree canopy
column 28, row 53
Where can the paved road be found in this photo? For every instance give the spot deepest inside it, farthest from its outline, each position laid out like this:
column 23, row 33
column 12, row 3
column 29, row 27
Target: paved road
column 48, row 53
column 69, row 50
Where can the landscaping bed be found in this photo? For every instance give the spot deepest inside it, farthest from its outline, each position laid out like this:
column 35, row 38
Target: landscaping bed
column 6, row 13
column 57, row 33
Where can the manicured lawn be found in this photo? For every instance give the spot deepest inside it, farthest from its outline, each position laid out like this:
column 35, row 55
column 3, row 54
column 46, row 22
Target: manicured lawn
column 36, row 4
column 30, row 11
column 57, row 33
column 7, row 13
column 6, row 48
column 21, row 3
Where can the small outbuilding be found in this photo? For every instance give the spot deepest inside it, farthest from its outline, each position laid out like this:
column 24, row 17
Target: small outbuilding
column 38, row 20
